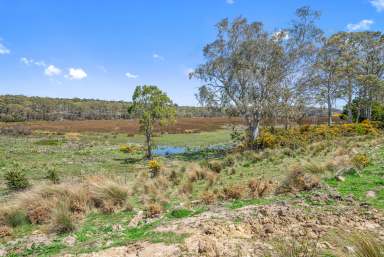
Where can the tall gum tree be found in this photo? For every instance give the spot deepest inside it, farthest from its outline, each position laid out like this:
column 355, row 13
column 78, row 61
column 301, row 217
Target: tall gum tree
column 247, row 67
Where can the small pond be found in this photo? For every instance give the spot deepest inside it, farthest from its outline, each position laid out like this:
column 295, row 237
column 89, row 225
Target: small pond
column 173, row 150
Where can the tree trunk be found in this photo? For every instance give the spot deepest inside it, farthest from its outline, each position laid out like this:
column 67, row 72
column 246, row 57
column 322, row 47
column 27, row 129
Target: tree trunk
column 148, row 136
column 254, row 130
column 329, row 103
column 350, row 115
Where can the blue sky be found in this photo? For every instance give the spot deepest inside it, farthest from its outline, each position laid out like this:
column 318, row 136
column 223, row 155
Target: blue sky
column 103, row 49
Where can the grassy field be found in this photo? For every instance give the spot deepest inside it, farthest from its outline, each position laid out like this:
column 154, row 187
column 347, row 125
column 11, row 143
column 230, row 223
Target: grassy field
column 187, row 186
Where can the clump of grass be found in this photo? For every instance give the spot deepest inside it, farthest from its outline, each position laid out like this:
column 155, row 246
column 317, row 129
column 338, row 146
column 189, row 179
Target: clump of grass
column 298, row 180
column 258, row 188
column 233, row 192
column 296, row 248
column 62, row 219
column 16, row 179
column 363, row 244
column 314, row 168
column 108, row 195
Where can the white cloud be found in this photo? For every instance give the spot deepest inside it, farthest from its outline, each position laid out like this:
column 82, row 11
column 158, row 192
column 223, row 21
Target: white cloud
column 378, row 4
column 361, row 25
column 230, row 1
column 76, row 73
column 158, row 57
column 52, row 70
column 4, row 50
column 131, row 76
column 27, row 61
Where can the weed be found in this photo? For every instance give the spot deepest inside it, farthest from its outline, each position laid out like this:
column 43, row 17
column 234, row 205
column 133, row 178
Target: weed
column 16, row 179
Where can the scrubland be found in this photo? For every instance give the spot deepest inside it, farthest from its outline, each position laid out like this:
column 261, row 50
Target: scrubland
column 306, row 191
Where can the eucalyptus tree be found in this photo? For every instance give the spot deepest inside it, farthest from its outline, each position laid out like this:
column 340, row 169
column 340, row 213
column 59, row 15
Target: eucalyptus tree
column 247, row 67
column 371, row 70
column 152, row 107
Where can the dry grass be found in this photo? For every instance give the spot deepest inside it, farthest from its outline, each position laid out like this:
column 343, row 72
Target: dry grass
column 233, row 192
column 259, row 188
column 361, row 244
column 296, row 248
column 298, row 180
column 153, row 210
column 208, row 197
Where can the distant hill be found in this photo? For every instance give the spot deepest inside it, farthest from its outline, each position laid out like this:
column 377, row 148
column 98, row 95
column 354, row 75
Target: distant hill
column 24, row 108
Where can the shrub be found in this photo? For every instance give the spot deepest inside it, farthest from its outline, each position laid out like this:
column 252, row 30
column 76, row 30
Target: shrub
column 153, row 210
column 129, row 148
column 16, row 179
column 233, row 192
column 215, row 166
column 360, row 160
column 229, row 161
column 154, row 167
column 208, row 197
column 39, row 214
column 5, row 231
column 62, row 219
column 16, row 218
column 53, row 175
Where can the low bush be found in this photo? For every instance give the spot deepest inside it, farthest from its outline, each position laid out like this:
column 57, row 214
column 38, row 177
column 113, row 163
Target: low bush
column 229, row 161
column 215, row 166
column 153, row 210
column 5, row 231
column 208, row 197
column 53, row 175
column 16, row 218
column 154, row 167
column 16, row 179
column 233, row 192
column 360, row 161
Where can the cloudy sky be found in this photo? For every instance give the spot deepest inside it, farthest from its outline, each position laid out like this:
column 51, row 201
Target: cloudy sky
column 103, row 49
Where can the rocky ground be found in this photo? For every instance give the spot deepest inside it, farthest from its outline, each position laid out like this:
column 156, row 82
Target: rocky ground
column 254, row 230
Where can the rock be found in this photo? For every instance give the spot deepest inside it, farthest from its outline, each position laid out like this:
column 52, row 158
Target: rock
column 3, row 252
column 349, row 249
column 371, row 194
column 136, row 220
column 268, row 228
column 38, row 239
column 340, row 178
column 69, row 241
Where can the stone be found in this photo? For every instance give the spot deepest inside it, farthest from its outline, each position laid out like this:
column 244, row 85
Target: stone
column 340, row 178
column 69, row 241
column 371, row 194
column 3, row 252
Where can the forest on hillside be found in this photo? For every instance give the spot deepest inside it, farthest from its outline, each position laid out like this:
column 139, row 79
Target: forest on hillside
column 23, row 108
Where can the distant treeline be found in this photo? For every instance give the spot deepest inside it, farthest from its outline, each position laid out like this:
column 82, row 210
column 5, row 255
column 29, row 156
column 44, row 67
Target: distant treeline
column 23, row 108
